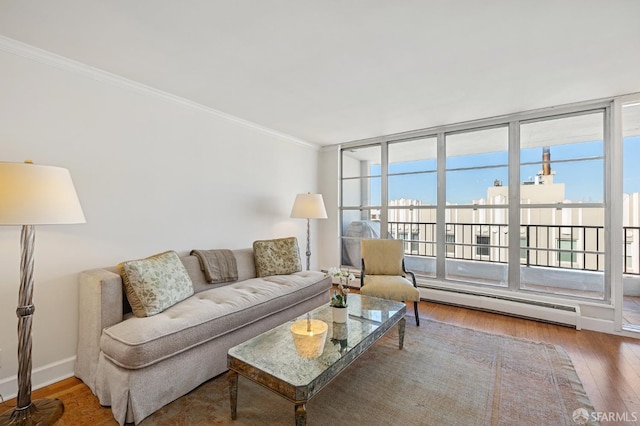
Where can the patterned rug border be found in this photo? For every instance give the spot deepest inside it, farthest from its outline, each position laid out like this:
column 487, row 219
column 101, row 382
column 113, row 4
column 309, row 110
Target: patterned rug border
column 567, row 363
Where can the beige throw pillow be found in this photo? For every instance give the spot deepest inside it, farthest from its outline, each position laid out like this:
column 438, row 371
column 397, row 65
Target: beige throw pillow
column 276, row 257
column 155, row 283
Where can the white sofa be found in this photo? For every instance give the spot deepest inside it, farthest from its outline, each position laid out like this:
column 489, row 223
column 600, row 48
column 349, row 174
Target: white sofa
column 137, row 365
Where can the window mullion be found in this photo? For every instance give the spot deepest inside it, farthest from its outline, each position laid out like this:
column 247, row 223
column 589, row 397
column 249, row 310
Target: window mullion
column 514, row 206
column 441, row 230
column 613, row 257
column 384, row 189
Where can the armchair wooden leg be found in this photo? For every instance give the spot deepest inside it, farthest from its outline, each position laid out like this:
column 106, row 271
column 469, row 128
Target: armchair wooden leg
column 415, row 307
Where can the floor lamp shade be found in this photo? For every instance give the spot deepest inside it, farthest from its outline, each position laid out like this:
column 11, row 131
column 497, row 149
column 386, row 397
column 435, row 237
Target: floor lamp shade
column 309, row 206
column 37, row 195
column 33, row 195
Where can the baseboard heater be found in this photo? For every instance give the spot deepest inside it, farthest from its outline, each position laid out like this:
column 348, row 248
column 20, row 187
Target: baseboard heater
column 565, row 315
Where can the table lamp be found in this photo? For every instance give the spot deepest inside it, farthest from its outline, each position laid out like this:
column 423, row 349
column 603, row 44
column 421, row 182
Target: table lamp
column 308, row 206
column 309, row 336
column 33, row 195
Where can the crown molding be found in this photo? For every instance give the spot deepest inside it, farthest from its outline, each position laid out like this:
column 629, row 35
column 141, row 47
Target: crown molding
column 36, row 54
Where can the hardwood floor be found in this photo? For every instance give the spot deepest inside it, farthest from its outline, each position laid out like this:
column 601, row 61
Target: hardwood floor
column 608, row 365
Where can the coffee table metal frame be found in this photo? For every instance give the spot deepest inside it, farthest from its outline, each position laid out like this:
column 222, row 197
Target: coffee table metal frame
column 270, row 359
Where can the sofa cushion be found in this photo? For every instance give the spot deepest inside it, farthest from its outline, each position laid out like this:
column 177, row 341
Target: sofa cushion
column 391, row 287
column 277, row 257
column 139, row 342
column 155, row 283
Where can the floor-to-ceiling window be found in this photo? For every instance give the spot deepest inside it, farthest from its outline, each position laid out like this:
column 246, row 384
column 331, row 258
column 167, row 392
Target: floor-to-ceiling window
column 360, row 200
column 562, row 214
column 477, row 178
column 412, row 199
column 518, row 203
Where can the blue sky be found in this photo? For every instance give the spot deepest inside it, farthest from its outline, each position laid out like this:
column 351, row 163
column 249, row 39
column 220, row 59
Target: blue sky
column 583, row 179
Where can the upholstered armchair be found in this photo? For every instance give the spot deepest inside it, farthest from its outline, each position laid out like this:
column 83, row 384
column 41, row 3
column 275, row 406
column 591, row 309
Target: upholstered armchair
column 384, row 275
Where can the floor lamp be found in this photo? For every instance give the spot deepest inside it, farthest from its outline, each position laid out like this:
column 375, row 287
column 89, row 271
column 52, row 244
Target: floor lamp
column 308, row 206
column 33, row 195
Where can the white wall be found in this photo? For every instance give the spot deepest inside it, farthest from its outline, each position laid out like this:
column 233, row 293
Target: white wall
column 329, row 185
column 152, row 173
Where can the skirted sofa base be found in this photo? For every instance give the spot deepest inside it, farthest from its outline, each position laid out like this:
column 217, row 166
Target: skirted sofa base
column 137, row 365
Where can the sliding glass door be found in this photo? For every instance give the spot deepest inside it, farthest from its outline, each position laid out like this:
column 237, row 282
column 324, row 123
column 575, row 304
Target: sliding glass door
column 562, row 214
column 631, row 215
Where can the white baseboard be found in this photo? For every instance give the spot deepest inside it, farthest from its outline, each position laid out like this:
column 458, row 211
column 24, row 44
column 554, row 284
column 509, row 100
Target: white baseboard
column 597, row 324
column 576, row 318
column 40, row 377
column 554, row 313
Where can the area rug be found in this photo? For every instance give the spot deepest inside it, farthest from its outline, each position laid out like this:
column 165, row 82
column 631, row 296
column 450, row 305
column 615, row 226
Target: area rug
column 445, row 375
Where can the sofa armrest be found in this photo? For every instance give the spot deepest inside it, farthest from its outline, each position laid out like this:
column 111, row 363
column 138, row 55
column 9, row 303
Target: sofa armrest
column 100, row 297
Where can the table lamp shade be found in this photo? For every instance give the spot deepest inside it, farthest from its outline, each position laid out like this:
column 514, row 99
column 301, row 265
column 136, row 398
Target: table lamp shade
column 309, row 206
column 31, row 194
column 309, row 337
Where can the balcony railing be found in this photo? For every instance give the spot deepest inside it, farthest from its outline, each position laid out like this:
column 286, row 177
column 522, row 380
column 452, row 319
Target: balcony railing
column 556, row 246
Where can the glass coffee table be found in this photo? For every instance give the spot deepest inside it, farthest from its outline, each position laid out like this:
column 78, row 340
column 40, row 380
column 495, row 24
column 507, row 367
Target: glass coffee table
column 273, row 360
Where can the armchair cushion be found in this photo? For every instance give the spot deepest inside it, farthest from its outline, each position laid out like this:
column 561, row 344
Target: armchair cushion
column 390, row 287
column 382, row 257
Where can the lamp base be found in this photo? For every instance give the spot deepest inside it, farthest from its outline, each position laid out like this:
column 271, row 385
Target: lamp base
column 40, row 412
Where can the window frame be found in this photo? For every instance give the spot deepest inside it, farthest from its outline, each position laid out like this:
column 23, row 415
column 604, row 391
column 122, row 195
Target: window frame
column 514, row 207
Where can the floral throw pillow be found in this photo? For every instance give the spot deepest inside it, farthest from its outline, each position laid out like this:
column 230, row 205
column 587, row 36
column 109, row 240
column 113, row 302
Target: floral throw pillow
column 276, row 257
column 155, row 283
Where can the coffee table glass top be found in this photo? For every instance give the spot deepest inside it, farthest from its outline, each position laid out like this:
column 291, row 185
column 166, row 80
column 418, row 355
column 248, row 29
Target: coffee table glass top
column 275, row 353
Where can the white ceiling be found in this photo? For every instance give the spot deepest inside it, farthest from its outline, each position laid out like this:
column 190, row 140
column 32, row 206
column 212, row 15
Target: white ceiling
column 339, row 70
